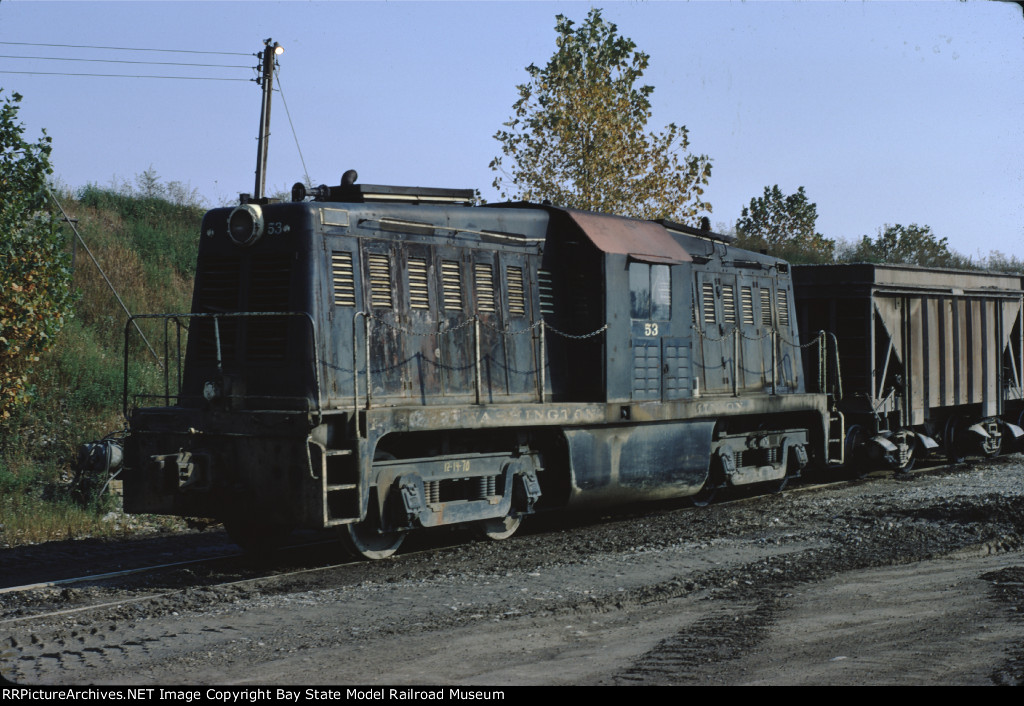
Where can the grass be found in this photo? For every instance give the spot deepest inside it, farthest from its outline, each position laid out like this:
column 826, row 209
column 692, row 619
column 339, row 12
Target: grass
column 30, row 519
column 147, row 247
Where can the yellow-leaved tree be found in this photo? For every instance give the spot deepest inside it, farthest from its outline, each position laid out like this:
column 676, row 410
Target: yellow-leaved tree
column 578, row 138
column 35, row 295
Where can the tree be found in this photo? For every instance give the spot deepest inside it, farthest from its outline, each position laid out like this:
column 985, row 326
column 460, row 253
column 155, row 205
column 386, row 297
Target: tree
column 997, row 261
column 577, row 135
column 147, row 184
column 35, row 296
column 784, row 226
column 909, row 245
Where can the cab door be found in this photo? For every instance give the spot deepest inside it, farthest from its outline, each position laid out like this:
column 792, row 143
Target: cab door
column 650, row 291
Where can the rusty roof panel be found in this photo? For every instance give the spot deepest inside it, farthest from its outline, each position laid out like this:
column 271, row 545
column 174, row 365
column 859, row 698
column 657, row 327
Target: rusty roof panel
column 626, row 236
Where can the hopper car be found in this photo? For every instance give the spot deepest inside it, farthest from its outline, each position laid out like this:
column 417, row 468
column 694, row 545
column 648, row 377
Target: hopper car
column 931, row 358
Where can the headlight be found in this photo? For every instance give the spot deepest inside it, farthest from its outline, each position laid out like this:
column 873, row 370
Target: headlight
column 245, row 224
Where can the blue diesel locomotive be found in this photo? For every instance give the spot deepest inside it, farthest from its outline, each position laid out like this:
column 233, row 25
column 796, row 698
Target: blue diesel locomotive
column 382, row 359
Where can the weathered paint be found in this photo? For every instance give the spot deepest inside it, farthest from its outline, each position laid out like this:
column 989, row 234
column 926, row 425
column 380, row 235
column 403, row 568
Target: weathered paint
column 638, row 462
column 428, row 339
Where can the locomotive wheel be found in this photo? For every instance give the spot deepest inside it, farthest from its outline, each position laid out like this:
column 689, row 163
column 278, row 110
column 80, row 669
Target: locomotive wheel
column 708, row 491
column 704, row 497
column 256, row 538
column 499, row 528
column 363, row 539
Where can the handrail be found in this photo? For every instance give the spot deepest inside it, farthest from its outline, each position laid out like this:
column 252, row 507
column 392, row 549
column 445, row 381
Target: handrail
column 216, row 321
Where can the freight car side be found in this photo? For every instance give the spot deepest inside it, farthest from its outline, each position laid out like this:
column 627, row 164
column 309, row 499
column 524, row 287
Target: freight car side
column 931, row 358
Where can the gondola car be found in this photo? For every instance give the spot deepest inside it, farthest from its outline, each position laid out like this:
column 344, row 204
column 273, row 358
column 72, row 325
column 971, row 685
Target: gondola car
column 931, row 358
column 381, row 359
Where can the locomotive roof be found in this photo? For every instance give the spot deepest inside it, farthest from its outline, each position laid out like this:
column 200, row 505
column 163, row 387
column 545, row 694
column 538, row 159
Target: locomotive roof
column 662, row 241
column 646, row 241
column 641, row 240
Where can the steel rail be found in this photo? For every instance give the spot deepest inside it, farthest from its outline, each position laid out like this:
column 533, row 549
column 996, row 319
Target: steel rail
column 111, row 574
column 804, row 485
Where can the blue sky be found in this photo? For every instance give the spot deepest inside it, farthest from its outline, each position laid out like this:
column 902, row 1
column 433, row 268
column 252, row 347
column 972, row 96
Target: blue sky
column 886, row 112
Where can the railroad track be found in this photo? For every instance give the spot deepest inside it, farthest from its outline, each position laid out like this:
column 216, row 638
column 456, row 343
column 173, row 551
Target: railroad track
column 238, row 562
column 196, row 623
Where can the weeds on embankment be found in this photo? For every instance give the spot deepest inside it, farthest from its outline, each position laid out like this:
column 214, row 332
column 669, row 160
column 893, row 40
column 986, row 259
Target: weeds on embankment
column 145, row 238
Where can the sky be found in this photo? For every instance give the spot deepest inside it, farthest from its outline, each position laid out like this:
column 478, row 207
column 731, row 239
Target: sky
column 885, row 112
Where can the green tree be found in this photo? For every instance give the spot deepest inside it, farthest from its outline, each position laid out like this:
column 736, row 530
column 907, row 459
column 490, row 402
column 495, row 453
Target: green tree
column 577, row 135
column 910, row 245
column 784, row 226
column 997, row 261
column 147, row 184
column 35, row 296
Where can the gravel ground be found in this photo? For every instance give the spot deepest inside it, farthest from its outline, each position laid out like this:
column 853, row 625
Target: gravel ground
column 893, row 580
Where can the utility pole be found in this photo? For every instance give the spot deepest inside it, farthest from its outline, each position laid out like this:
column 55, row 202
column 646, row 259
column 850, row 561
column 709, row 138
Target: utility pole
column 266, row 79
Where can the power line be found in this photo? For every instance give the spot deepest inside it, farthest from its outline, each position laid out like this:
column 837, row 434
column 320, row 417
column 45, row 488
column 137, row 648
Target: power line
column 126, row 61
column 104, row 275
column 186, row 78
column 280, row 88
column 87, row 46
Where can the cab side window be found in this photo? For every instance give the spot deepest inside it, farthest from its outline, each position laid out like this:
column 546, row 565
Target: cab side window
column 650, row 291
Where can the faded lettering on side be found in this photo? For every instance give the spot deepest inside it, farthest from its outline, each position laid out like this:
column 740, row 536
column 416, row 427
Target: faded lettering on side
column 716, row 407
column 423, row 419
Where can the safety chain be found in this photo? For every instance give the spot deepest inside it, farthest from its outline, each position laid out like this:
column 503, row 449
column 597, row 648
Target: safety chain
column 506, row 332
column 730, row 332
column 577, row 337
column 794, row 344
column 705, row 337
column 484, row 324
column 411, row 332
column 820, row 340
column 726, row 334
column 478, row 382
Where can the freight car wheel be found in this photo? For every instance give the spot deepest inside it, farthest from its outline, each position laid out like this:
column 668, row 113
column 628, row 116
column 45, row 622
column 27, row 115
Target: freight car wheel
column 903, row 459
column 992, row 446
column 901, row 464
column 951, row 439
column 853, row 448
column 499, row 528
column 364, row 540
column 908, row 465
